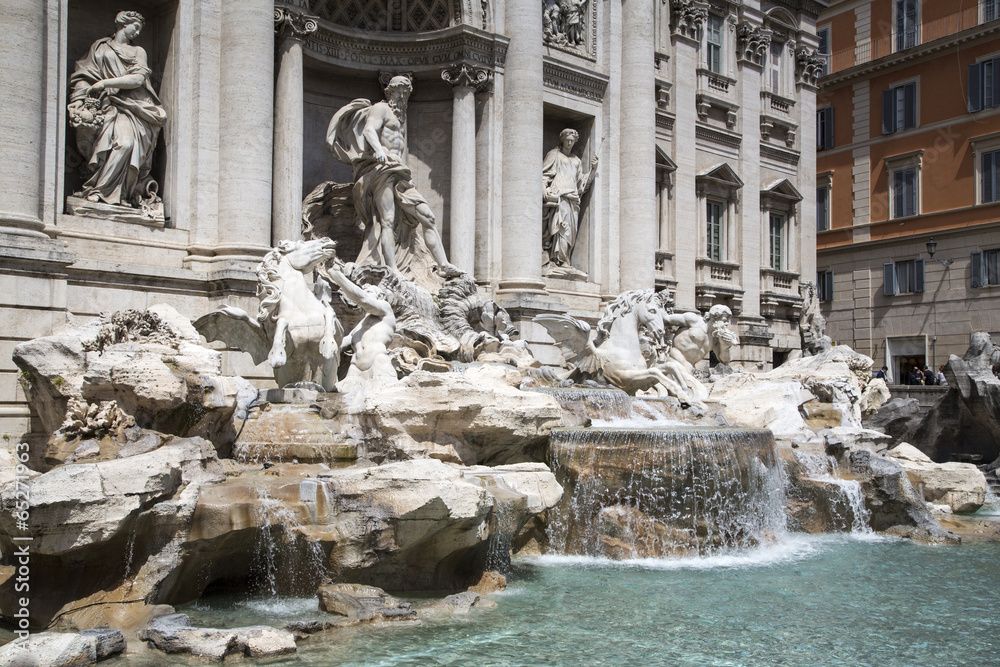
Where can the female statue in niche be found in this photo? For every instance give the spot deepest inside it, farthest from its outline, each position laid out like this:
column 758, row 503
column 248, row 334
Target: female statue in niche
column 565, row 184
column 117, row 117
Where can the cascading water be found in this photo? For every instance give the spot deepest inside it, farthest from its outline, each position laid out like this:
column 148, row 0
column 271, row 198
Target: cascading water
column 604, row 404
column 846, row 501
column 279, row 563
column 634, row 493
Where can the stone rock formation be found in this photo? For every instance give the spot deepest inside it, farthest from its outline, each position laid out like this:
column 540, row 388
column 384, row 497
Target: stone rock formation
column 965, row 423
column 63, row 649
column 174, row 634
column 960, row 486
column 143, row 367
column 363, row 603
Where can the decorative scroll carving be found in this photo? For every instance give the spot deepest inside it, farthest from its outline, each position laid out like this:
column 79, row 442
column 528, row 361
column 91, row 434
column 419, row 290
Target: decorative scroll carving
column 293, row 25
column 467, row 76
column 752, row 42
column 808, row 66
column 687, row 17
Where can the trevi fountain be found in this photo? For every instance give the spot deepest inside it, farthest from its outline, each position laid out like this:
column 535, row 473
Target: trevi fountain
column 416, row 487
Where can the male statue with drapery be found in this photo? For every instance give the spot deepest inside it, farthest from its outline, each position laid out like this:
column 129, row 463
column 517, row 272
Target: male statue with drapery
column 399, row 226
column 117, row 118
column 565, row 184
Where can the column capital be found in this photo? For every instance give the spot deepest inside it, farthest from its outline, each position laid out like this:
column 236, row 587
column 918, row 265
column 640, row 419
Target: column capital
column 467, row 76
column 293, row 25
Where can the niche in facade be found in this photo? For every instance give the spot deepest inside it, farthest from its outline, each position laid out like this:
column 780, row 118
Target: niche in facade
column 115, row 157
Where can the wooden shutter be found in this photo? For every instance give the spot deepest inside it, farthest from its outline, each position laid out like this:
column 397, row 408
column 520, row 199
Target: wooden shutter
column 889, row 279
column 978, row 270
column 828, row 128
column 897, row 195
column 975, row 88
column 822, row 209
column 909, row 106
column 910, row 191
column 888, row 112
column 995, row 69
column 918, row 282
column 828, row 285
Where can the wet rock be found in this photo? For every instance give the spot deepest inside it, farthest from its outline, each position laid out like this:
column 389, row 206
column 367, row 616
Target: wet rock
column 50, row 649
column 174, row 634
column 960, row 486
column 489, row 582
column 363, row 603
column 462, row 603
column 896, row 507
column 107, row 641
column 302, row 629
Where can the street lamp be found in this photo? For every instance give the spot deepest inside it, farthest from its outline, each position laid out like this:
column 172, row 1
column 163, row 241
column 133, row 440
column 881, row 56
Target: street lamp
column 931, row 247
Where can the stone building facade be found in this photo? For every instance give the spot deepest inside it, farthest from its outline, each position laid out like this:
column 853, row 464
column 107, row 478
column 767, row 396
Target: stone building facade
column 909, row 241
column 700, row 115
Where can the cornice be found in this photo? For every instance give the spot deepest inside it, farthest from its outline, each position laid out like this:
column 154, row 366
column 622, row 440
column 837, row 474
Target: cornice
column 574, row 80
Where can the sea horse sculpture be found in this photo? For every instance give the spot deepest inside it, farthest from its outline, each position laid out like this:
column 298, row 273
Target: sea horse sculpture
column 296, row 330
column 615, row 355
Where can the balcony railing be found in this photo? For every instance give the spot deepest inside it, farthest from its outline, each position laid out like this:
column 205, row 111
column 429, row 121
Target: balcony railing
column 868, row 50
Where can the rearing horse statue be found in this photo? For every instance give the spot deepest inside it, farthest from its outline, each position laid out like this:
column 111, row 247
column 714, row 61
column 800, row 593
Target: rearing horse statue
column 296, row 330
column 615, row 355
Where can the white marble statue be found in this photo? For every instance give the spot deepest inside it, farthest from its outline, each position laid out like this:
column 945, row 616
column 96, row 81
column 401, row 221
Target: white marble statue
column 400, row 228
column 296, row 330
column 117, row 117
column 371, row 365
column 614, row 355
column 564, row 22
column 695, row 338
column 565, row 184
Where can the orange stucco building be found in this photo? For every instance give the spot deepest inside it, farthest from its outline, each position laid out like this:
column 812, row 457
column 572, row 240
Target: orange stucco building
column 908, row 162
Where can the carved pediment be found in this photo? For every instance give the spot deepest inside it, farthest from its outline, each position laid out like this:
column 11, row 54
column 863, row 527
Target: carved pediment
column 687, row 17
column 753, row 42
column 809, row 65
column 721, row 174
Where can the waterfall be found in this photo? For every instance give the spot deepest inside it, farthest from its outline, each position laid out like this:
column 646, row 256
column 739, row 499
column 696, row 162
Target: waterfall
column 635, row 492
column 603, row 404
column 847, row 501
column 280, row 562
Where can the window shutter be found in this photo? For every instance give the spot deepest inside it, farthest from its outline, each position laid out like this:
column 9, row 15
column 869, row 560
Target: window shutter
column 975, row 89
column 986, row 180
column 897, row 195
column 910, row 190
column 889, row 279
column 918, row 285
column 822, row 209
column 978, row 270
column 828, row 128
column 888, row 112
column 909, row 106
column 828, row 284
column 996, row 82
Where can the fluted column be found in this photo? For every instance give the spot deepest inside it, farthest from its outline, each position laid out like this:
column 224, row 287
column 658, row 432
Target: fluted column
column 464, row 81
column 638, row 230
column 246, row 127
column 22, row 80
column 521, row 208
column 291, row 28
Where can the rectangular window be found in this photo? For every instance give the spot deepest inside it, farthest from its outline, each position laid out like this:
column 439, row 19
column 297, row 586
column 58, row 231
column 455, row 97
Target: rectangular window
column 714, row 44
column 989, row 177
column 824, row 128
column 986, row 268
column 904, row 192
column 777, row 242
column 824, row 286
column 990, row 10
column 774, row 66
column 899, row 108
column 823, row 34
column 714, row 214
column 905, row 277
column 984, row 84
column 822, row 209
column 906, row 24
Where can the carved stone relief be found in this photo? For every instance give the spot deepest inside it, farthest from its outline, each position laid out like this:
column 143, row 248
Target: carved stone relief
column 567, row 24
column 753, row 42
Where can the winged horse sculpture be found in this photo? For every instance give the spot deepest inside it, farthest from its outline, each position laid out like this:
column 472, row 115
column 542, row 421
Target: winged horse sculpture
column 615, row 354
column 296, row 330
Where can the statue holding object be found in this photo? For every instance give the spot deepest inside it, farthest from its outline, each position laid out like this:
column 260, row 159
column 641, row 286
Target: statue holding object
column 117, row 118
column 565, row 184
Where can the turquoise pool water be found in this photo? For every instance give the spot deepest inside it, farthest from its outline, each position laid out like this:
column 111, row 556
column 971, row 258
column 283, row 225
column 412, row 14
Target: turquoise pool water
column 813, row 600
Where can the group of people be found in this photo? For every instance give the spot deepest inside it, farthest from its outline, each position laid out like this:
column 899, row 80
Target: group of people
column 916, row 376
